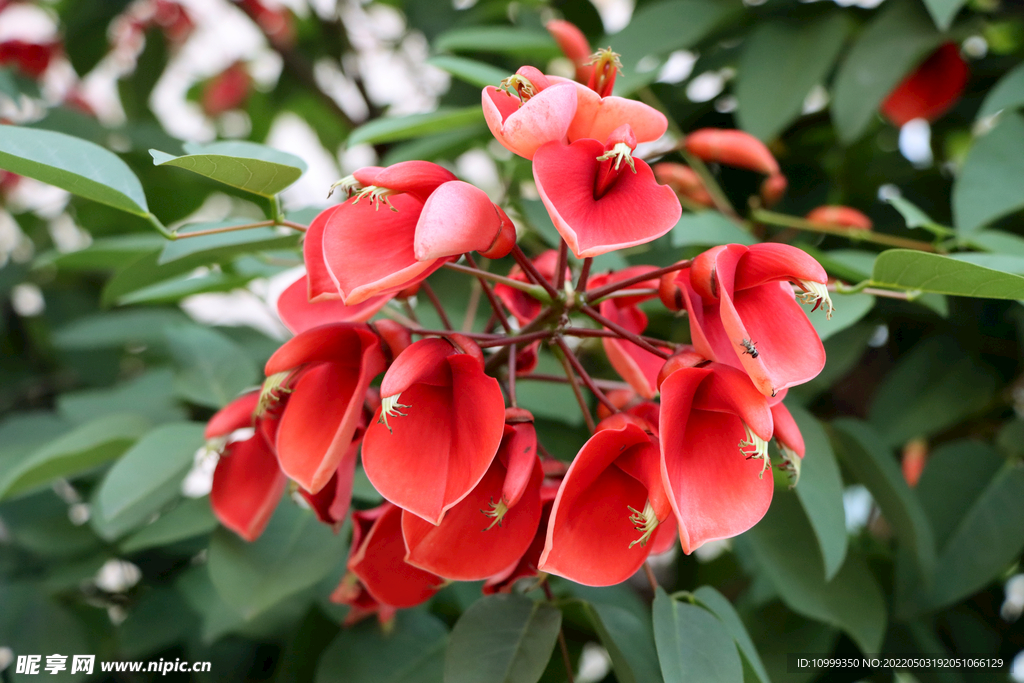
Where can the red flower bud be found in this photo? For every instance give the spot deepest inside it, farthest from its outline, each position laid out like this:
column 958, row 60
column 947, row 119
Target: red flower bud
column 931, row 89
column 840, row 215
column 732, row 148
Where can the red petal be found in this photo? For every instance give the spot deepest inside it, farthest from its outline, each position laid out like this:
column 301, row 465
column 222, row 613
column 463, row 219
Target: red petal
column 247, row 486
column 347, row 343
column 462, row 547
column 637, row 366
column 422, row 362
column 299, row 314
column 457, row 218
column 235, row 415
column 728, row 390
column 331, row 503
column 786, row 429
column 321, row 284
column 596, row 117
column 772, row 262
column 931, row 89
column 418, row 178
column 380, row 564
column 545, row 117
column 634, row 210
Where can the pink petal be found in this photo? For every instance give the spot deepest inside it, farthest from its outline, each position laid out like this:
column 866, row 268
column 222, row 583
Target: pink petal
column 786, row 430
column 457, row 218
column 597, row 117
column 418, row 178
column 299, row 314
column 543, row 118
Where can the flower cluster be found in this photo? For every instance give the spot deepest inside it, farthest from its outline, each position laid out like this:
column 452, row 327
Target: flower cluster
column 681, row 447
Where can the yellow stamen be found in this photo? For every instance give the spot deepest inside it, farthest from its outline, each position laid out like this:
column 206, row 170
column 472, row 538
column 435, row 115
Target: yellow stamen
column 791, row 463
column 497, row 512
column 604, row 57
column 348, row 185
column 754, row 447
column 817, row 294
column 645, row 521
column 389, row 408
column 271, row 392
column 376, row 195
column 620, row 152
column 519, row 86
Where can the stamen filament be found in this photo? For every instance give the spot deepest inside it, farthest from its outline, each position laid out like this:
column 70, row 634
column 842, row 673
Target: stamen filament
column 271, row 392
column 817, row 294
column 754, row 447
column 620, row 152
column 519, row 86
column 348, row 185
column 376, row 195
column 497, row 512
column 389, row 408
column 645, row 521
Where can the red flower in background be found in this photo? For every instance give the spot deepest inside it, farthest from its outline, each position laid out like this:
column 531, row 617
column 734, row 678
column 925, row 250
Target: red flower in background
column 840, row 215
column 227, row 90
column 32, row 59
column 438, row 429
column 931, row 89
column 573, row 45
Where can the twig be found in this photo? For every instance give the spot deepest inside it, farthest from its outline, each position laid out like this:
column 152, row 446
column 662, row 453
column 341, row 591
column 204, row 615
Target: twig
column 496, row 305
column 531, row 271
column 216, row 231
column 608, row 384
column 512, row 375
column 584, row 376
column 518, row 339
column 589, row 332
column 533, row 290
column 563, row 260
column 581, row 283
column 436, row 303
column 854, row 234
column 471, row 306
column 574, row 383
column 651, row 578
column 596, row 294
column 624, row 333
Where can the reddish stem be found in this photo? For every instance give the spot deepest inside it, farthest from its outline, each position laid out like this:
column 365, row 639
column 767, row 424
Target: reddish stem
column 512, row 375
column 584, row 375
column 531, row 271
column 574, row 383
column 622, row 284
column 624, row 333
column 492, row 341
column 436, row 303
column 581, row 284
column 496, row 305
column 608, row 384
column 587, row 332
column 563, row 259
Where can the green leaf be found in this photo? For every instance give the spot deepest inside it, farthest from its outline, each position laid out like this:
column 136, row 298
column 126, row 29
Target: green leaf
column 998, row 241
column 849, row 309
column 916, row 218
column 656, row 30
column 710, row 229
column 137, row 485
column 693, row 645
column 191, row 517
column 392, row 128
column 988, row 186
column 932, row 388
column 32, row 623
column 158, row 620
column 82, row 168
column 411, row 652
column 223, row 246
column 502, row 639
column 917, row 270
column 872, row 463
column 898, row 38
column 1008, row 93
column 501, row 39
column 78, row 451
column 294, row 552
column 629, row 641
column 943, row 11
column 213, row 369
column 787, row 553
column 118, row 328
column 246, row 166
column 148, row 394
column 849, row 264
column 39, row 523
column 720, row 606
column 106, row 253
column 447, row 145
column 471, row 71
column 820, row 492
column 781, row 62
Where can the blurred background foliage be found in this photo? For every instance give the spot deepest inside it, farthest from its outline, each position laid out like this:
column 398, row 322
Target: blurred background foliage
column 117, row 345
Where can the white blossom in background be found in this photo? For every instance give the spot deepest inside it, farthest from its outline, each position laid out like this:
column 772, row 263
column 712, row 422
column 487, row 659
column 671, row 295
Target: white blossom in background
column 117, row 576
column 238, row 308
column 705, row 87
column 615, row 14
column 27, row 300
column 67, row 235
column 816, row 100
column 678, row 67
column 292, row 134
column 356, row 157
column 478, row 168
column 857, row 504
column 1013, row 604
column 199, row 480
column 916, row 142
column 595, row 664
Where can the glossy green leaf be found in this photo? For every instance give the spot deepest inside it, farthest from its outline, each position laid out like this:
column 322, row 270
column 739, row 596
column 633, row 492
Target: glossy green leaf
column 873, row 464
column 916, row 218
column 917, row 270
column 78, row 451
column 943, row 11
column 500, row 39
column 998, row 241
column 1008, row 93
column 390, row 129
column 82, row 168
column 118, row 328
column 411, row 652
column 786, row 551
column 502, row 639
column 708, row 228
column 174, row 290
column 932, row 388
column 136, row 486
column 246, row 166
column 191, row 517
column 471, row 71
column 720, row 606
column 693, row 644
column 988, row 185
column 656, row 30
column 820, row 492
column 781, row 62
column 629, row 641
column 222, row 246
column 213, row 369
column 158, row 620
column 294, row 552
column 106, row 253
column 148, row 394
column 898, row 38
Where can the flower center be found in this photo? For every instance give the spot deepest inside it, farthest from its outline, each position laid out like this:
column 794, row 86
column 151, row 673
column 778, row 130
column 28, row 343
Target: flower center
column 606, row 66
column 791, row 462
column 497, row 513
column 348, row 185
column 376, row 195
column 754, row 447
column 389, row 407
column 271, row 392
column 620, row 152
column 645, row 521
column 817, row 294
column 519, row 86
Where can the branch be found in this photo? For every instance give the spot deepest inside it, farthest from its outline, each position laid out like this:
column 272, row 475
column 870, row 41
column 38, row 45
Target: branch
column 574, row 383
column 596, row 294
column 533, row 290
column 854, row 234
column 531, row 271
column 584, row 376
column 624, row 333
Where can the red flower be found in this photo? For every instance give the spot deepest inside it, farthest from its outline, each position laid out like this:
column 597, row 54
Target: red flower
column 743, row 313
column 600, row 198
column 526, row 566
column 634, row 364
column 439, row 427
column 299, row 313
column 377, row 564
column 227, row 90
column 599, row 113
column 321, row 376
column 715, row 426
column 610, row 503
column 931, row 90
column 365, row 252
column 685, row 181
column 508, row 525
column 248, row 483
column 540, row 111
column 840, row 215
column 573, row 45
column 732, row 148
column 31, row 58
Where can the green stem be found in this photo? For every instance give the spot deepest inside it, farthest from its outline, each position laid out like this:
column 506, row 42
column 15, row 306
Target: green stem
column 161, row 228
column 535, row 291
column 722, row 202
column 854, row 234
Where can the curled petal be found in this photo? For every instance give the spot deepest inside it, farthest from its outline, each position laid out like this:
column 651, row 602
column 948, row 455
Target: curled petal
column 457, row 218
column 418, row 178
column 773, row 262
column 786, row 430
column 523, row 128
column 321, row 284
column 331, row 503
column 235, row 415
column 931, row 89
column 347, row 343
column 422, row 362
column 299, row 314
column 596, row 117
column 247, row 486
column 732, row 148
column 729, row 390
